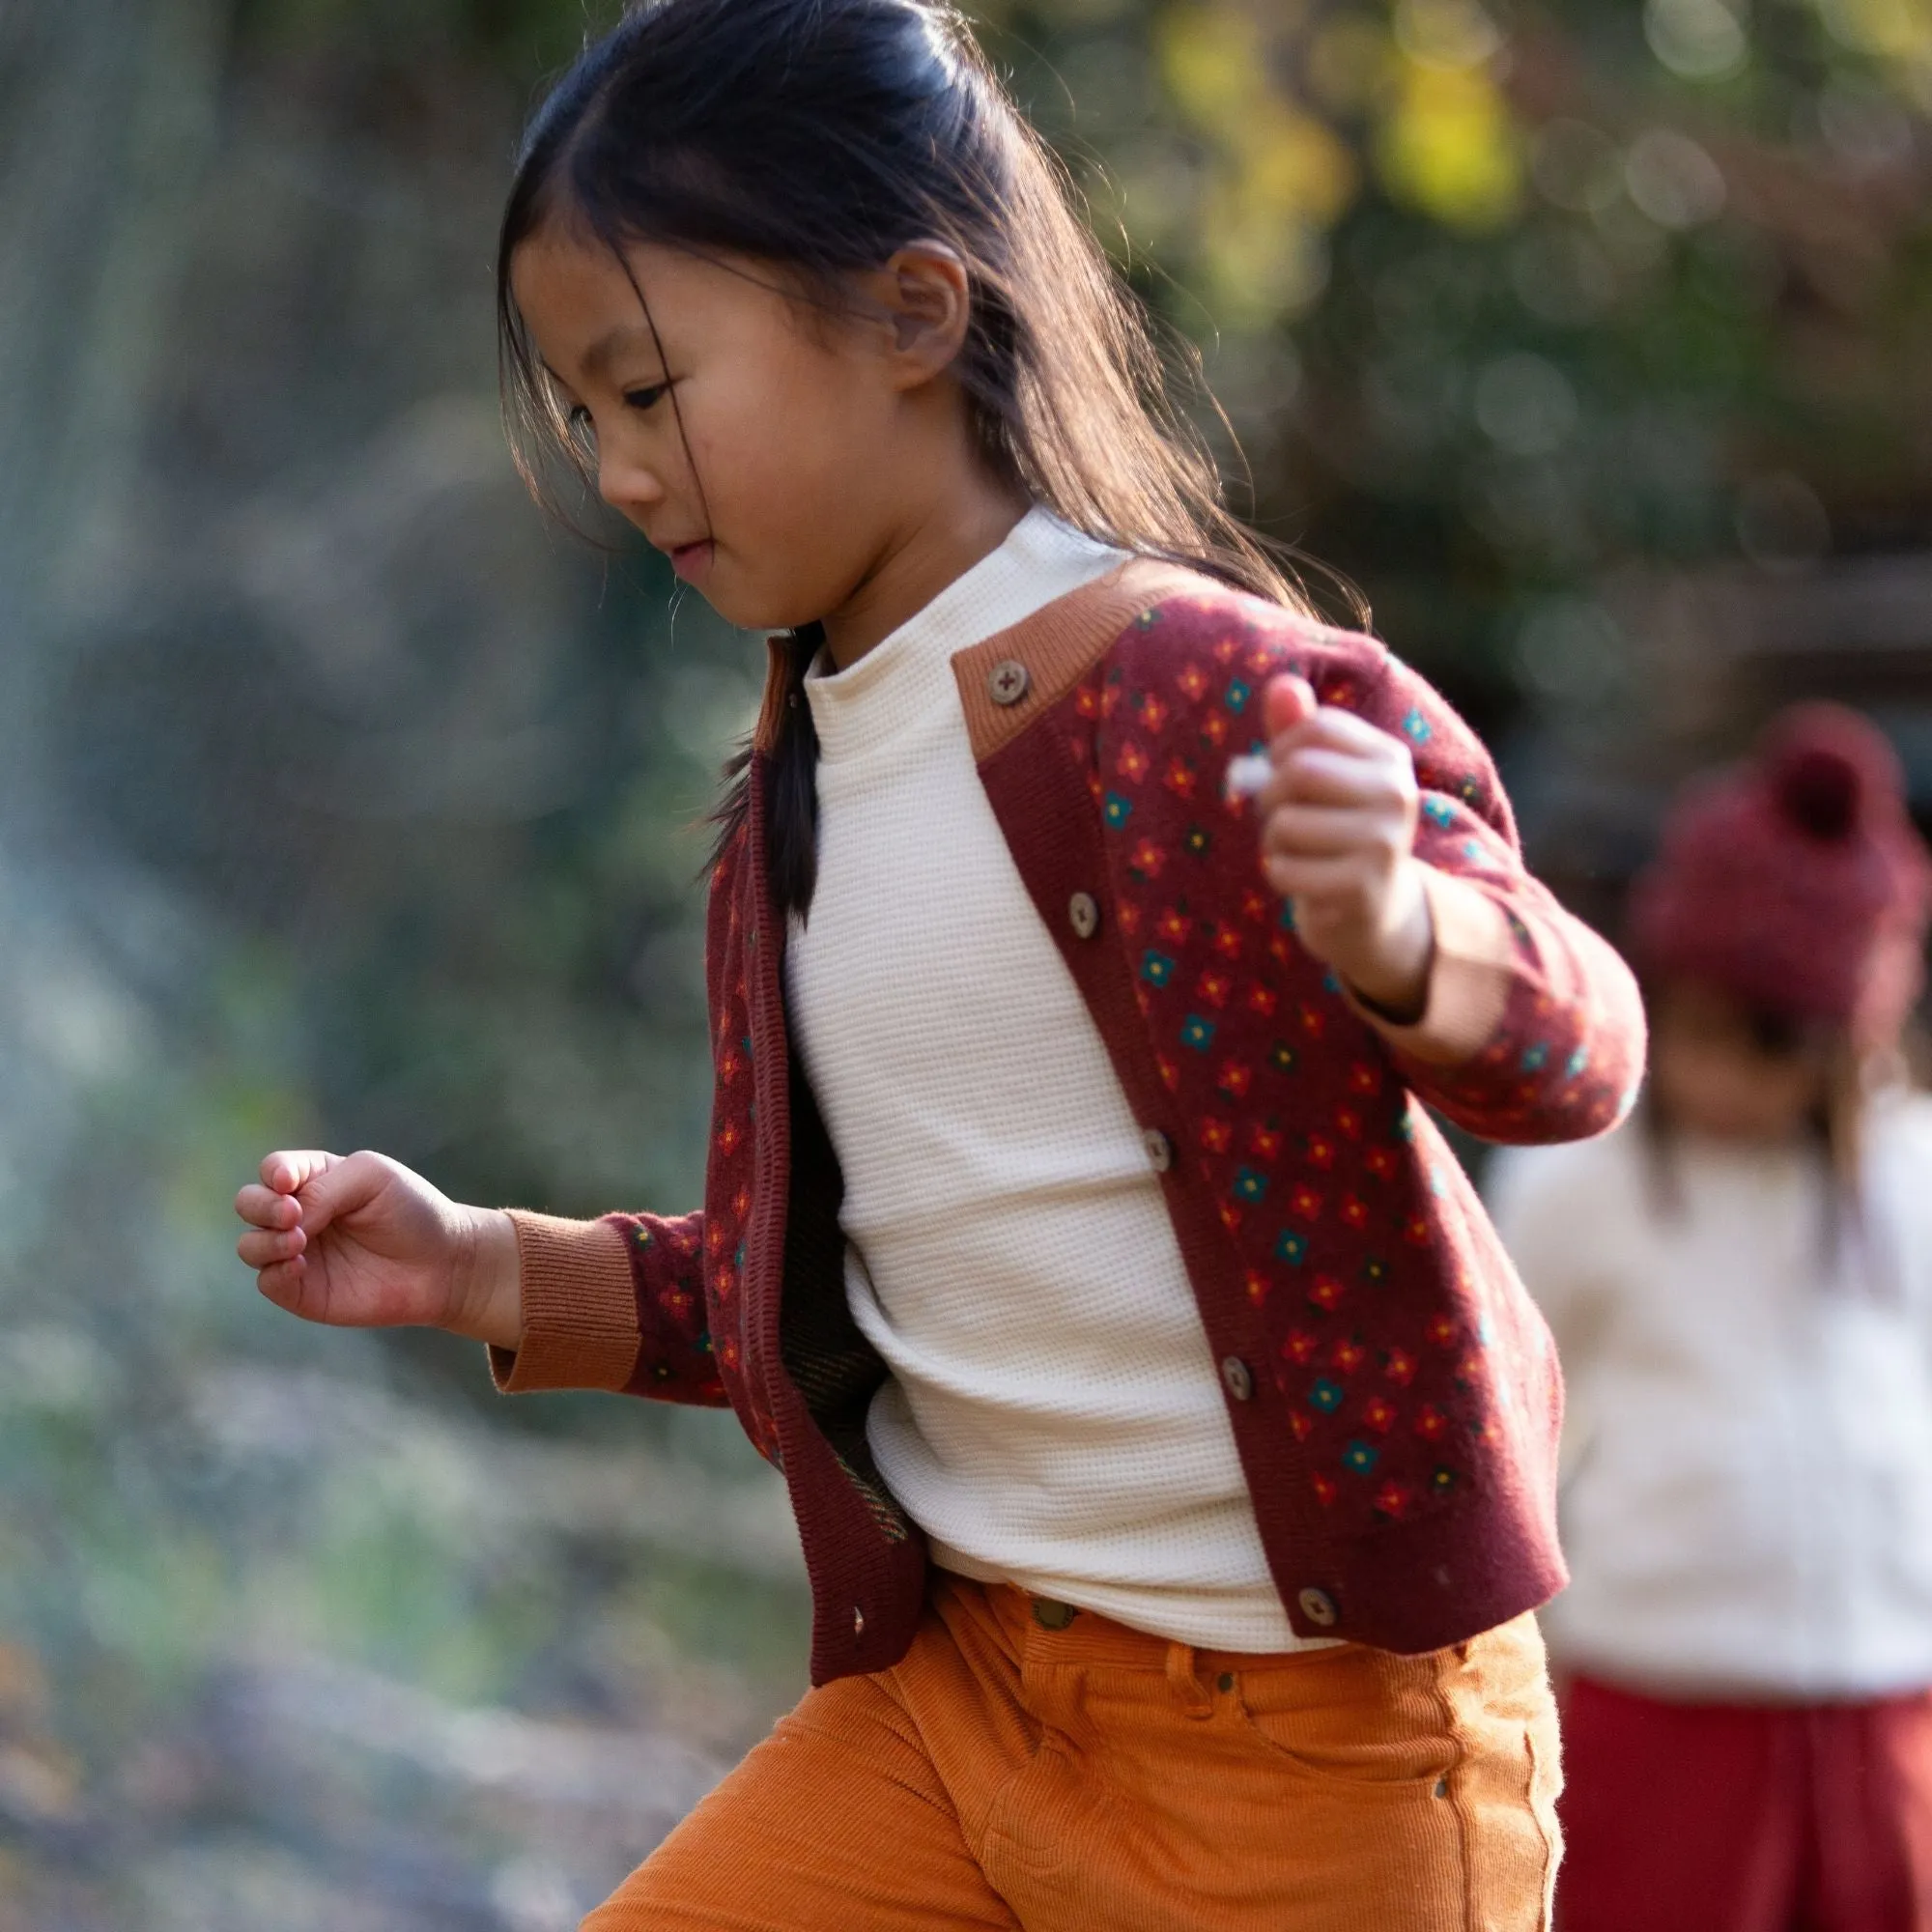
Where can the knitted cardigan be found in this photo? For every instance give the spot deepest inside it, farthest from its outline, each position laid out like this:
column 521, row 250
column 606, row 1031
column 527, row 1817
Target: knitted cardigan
column 1394, row 1396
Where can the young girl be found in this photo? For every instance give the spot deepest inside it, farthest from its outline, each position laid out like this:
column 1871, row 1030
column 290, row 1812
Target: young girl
column 1742, row 1285
column 1171, row 1444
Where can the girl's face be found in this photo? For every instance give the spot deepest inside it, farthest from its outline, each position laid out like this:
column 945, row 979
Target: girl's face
column 1714, row 1075
column 771, row 452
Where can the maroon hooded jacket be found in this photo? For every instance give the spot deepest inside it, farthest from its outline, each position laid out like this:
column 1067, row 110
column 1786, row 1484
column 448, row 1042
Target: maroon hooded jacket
column 1394, row 1395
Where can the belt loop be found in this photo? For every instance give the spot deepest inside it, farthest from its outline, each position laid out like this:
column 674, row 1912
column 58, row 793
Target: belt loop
column 1184, row 1681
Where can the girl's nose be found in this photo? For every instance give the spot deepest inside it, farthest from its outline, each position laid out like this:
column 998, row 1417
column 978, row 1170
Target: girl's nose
column 627, row 487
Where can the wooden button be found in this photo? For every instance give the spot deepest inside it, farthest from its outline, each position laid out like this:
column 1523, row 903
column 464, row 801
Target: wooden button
column 1083, row 913
column 1010, row 682
column 1239, row 1381
column 1160, row 1150
column 1052, row 1616
column 1318, row 1608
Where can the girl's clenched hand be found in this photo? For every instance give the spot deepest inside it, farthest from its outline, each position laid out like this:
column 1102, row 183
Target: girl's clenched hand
column 1338, row 835
column 361, row 1242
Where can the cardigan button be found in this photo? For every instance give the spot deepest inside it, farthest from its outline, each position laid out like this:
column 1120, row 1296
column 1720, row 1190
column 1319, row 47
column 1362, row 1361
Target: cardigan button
column 1239, row 1378
column 1160, row 1150
column 1010, row 682
column 1083, row 913
column 858, row 1622
column 1318, row 1608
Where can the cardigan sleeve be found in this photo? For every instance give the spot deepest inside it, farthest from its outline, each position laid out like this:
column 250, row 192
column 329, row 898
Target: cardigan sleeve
column 614, row 1304
column 1533, row 1030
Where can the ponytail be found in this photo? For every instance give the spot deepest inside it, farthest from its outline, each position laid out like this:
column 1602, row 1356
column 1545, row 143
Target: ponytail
column 788, row 740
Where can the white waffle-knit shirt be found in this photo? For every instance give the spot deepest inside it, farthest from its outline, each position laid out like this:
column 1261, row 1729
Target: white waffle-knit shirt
column 1747, row 1487
column 1053, row 1417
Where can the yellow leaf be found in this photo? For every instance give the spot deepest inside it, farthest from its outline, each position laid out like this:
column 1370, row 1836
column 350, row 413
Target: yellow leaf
column 1895, row 29
column 1260, row 267
column 1213, row 63
column 1294, row 166
column 1450, row 148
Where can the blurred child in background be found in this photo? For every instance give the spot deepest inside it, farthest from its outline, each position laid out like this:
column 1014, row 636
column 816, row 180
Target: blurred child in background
column 1741, row 1286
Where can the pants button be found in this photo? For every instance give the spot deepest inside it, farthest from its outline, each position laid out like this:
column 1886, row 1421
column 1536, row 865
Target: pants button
column 1052, row 1616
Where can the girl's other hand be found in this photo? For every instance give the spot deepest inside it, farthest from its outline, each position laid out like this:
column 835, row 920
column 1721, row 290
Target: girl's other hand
column 1338, row 837
column 361, row 1242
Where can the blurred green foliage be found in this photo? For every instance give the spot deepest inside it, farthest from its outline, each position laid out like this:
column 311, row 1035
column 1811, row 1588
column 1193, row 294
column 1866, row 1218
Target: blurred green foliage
column 389, row 805
column 1510, row 299
column 1501, row 299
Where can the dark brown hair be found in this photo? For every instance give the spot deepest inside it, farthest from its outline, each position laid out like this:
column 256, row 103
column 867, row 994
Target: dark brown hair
column 821, row 136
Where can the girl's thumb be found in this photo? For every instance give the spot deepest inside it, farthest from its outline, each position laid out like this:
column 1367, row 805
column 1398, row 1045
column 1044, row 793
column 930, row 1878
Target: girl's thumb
column 1285, row 703
column 339, row 1190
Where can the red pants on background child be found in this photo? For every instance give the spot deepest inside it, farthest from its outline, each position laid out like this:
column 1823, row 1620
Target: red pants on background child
column 1746, row 1818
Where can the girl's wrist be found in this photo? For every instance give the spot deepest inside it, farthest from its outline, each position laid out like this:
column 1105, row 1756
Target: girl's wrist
column 1392, row 978
column 486, row 1299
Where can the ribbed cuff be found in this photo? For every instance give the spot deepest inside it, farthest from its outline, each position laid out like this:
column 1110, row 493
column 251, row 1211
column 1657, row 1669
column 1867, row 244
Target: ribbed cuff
column 1469, row 976
column 580, row 1308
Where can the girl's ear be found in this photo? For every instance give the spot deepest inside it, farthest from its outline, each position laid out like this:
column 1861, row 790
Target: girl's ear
column 927, row 298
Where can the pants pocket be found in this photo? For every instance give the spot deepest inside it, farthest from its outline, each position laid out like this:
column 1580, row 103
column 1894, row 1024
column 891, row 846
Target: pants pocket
column 1357, row 1719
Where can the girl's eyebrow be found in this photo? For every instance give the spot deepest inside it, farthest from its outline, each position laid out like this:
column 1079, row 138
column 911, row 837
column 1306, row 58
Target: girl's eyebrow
column 606, row 349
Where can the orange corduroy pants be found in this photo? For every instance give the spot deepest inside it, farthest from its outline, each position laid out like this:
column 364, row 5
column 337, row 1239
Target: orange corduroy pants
column 1092, row 1779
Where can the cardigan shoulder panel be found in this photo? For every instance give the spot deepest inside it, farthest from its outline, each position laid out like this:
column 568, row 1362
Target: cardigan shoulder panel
column 1056, row 648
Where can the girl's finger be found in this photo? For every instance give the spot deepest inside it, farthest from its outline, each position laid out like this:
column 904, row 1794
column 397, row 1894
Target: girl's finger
column 1344, row 732
column 261, row 1249
column 1318, row 775
column 1317, row 880
column 1285, row 703
column 263, row 1208
column 1321, row 831
column 290, row 1170
column 339, row 1188
column 285, row 1284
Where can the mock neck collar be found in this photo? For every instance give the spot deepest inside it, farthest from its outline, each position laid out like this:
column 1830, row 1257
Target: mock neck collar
column 909, row 672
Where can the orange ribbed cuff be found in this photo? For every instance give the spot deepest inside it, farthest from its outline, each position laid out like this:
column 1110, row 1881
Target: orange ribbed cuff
column 580, row 1308
column 1469, row 976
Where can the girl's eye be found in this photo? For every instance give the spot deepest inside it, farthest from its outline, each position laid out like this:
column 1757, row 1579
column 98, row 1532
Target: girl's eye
column 579, row 419
column 645, row 399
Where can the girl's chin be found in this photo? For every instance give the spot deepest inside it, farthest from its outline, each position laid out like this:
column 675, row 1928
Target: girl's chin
column 747, row 606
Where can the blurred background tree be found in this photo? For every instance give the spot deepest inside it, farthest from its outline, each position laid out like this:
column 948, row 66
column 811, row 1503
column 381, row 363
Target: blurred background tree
column 344, row 802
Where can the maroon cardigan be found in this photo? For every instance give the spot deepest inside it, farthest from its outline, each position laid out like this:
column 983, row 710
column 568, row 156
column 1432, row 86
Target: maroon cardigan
column 1394, row 1395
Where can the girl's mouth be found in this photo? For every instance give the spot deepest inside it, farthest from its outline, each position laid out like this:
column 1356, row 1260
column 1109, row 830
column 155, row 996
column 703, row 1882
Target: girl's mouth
column 692, row 559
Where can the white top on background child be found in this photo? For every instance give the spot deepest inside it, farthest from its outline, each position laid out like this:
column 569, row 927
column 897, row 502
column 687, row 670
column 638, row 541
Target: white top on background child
column 1747, row 1503
column 1739, row 1281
